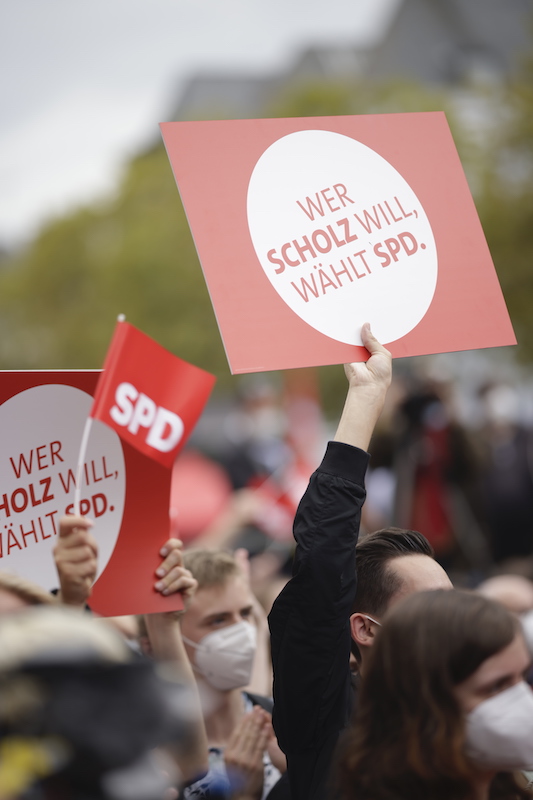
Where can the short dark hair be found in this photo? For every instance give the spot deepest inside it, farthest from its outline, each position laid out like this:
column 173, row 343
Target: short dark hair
column 376, row 583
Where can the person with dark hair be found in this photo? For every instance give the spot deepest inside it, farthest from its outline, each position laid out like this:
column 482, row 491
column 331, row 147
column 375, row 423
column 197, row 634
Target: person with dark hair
column 377, row 583
column 314, row 618
column 444, row 711
column 391, row 563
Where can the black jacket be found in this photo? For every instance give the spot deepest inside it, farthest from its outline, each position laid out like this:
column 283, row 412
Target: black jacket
column 309, row 622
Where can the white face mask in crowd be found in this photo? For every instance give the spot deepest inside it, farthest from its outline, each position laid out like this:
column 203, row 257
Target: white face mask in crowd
column 225, row 657
column 499, row 731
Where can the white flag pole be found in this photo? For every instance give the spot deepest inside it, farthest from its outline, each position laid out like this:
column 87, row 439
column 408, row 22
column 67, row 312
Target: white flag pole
column 81, row 459
column 83, row 450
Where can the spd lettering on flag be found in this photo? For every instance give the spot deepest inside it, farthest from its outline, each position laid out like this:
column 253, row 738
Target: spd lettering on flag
column 151, row 398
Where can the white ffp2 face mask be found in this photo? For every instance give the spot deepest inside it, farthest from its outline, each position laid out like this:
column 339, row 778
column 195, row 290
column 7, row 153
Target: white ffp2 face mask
column 499, row 731
column 225, row 657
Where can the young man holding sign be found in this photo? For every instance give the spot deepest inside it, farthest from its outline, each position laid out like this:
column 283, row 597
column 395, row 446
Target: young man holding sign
column 313, row 619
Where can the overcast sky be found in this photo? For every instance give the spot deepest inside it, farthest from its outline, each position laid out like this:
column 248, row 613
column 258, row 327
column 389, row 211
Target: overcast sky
column 85, row 82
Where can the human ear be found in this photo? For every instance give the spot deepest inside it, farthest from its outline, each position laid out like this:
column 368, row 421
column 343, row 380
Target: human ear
column 362, row 629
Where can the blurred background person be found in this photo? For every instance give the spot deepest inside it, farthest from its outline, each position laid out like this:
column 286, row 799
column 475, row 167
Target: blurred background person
column 507, row 475
column 17, row 593
column 436, row 475
column 80, row 717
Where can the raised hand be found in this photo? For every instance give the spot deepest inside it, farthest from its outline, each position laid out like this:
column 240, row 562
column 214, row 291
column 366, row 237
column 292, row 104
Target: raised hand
column 377, row 371
column 368, row 384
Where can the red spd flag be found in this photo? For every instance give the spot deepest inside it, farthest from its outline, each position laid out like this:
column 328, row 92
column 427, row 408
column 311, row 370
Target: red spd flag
column 151, row 398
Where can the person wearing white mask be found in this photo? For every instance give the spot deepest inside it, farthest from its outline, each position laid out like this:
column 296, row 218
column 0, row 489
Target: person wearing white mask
column 220, row 637
column 444, row 710
column 235, row 754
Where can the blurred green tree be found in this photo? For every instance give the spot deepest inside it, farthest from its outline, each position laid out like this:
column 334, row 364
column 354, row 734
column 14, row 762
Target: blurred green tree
column 133, row 254
column 505, row 205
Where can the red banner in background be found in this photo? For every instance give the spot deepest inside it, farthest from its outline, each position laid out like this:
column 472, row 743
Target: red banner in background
column 151, row 398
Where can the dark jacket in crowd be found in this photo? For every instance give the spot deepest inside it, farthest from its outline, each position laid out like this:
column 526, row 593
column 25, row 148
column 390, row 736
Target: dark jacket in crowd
column 309, row 622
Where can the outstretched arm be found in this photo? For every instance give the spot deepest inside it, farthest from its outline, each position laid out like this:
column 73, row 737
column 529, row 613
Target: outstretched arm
column 166, row 642
column 309, row 622
column 367, row 387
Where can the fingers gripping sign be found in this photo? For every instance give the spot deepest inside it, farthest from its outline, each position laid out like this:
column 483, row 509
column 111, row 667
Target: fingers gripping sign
column 76, row 560
column 367, row 388
column 376, row 372
column 171, row 574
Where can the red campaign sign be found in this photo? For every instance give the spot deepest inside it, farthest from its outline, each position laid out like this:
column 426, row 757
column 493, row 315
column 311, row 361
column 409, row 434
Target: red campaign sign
column 151, row 398
column 308, row 227
column 42, row 418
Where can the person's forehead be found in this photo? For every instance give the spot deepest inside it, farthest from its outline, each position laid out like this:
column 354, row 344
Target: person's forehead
column 417, row 573
column 232, row 595
column 512, row 660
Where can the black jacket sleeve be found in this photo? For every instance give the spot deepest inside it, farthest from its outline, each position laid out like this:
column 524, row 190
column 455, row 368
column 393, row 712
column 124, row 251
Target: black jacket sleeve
column 309, row 622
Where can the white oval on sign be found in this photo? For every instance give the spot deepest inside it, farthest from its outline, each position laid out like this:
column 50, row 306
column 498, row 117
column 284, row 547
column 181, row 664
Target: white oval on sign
column 41, row 430
column 341, row 236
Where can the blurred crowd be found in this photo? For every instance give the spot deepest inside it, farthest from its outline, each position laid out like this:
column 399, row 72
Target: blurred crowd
column 459, row 469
